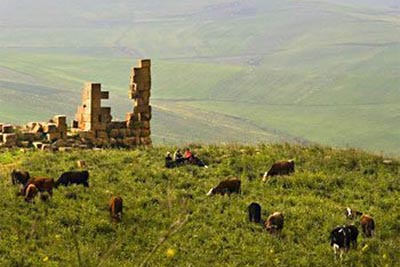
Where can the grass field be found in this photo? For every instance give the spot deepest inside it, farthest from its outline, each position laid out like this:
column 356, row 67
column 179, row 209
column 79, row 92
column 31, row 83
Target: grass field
column 320, row 71
column 167, row 209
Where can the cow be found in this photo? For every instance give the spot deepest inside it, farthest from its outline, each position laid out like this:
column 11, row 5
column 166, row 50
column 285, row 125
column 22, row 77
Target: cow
column 42, row 184
column 340, row 241
column 19, row 177
column 274, row 223
column 366, row 221
column 30, row 194
column 115, row 207
column 254, row 210
column 228, row 186
column 352, row 231
column 342, row 237
column 367, row 225
column 74, row 177
column 280, row 168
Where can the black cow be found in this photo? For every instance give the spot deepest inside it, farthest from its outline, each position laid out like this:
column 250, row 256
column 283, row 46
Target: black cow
column 342, row 236
column 19, row 177
column 254, row 212
column 74, row 177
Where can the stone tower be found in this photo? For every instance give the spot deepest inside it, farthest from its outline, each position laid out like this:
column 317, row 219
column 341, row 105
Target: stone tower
column 91, row 116
column 139, row 92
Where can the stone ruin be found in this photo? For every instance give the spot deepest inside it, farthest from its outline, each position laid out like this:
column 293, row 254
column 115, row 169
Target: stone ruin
column 93, row 125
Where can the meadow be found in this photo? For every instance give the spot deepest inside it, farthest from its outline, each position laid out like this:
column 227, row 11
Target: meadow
column 169, row 221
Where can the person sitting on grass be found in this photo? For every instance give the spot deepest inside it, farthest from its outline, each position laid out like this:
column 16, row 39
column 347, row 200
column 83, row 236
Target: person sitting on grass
column 169, row 162
column 178, row 157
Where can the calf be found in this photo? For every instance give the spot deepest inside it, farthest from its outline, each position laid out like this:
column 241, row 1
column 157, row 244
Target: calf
column 228, row 186
column 280, row 168
column 31, row 192
column 367, row 225
column 74, row 177
column 254, row 210
column 19, row 177
column 274, row 223
column 42, row 184
column 115, row 207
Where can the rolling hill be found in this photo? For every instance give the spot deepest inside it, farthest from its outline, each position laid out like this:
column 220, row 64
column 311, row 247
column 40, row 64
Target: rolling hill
column 223, row 71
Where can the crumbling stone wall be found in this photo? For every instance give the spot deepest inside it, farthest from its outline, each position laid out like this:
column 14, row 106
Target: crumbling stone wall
column 93, row 125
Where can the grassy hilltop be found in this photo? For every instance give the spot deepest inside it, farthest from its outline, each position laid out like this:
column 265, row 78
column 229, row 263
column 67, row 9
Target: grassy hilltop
column 323, row 71
column 199, row 230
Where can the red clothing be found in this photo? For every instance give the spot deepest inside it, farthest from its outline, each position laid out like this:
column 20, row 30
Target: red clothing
column 188, row 154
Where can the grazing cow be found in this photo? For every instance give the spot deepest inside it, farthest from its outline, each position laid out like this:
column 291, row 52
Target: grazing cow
column 31, row 192
column 280, row 168
column 74, row 177
column 228, row 186
column 116, row 208
column 19, row 177
column 254, row 212
column 342, row 236
column 42, row 184
column 340, row 240
column 274, row 223
column 367, row 225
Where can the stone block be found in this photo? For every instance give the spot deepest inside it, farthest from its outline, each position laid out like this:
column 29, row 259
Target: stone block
column 30, row 137
column 142, row 109
column 144, row 63
column 74, row 124
column 52, row 137
column 7, row 129
column 104, row 95
column 141, row 102
column 114, row 133
column 102, row 134
column 9, row 137
column 50, row 128
column 65, row 149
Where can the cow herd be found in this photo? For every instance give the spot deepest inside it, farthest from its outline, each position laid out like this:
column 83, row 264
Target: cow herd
column 341, row 237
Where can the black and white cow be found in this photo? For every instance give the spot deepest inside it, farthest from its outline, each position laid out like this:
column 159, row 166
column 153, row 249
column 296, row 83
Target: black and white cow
column 342, row 236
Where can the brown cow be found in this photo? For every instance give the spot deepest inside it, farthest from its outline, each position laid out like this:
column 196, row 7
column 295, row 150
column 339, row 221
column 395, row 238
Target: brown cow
column 228, row 186
column 366, row 221
column 115, row 207
column 367, row 225
column 31, row 192
column 274, row 223
column 42, row 184
column 280, row 168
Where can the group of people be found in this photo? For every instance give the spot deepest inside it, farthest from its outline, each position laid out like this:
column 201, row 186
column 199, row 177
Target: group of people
column 179, row 159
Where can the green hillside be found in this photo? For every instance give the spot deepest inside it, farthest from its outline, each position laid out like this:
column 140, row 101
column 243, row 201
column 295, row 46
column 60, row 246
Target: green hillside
column 318, row 71
column 167, row 209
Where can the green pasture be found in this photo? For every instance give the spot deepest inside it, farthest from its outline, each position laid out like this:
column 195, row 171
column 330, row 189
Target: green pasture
column 167, row 209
